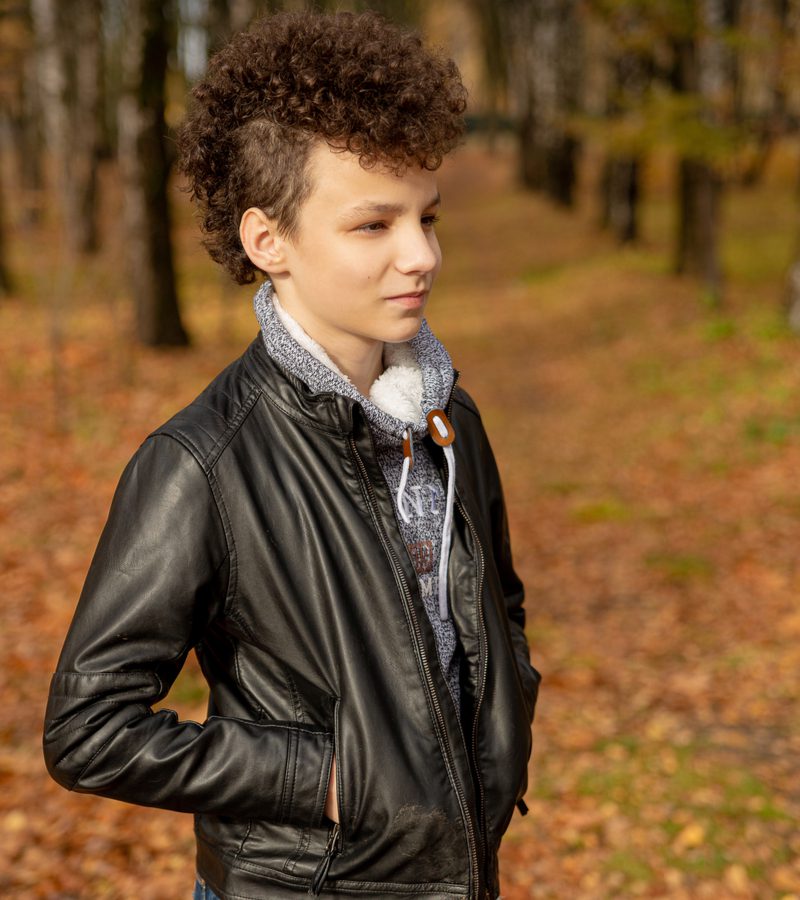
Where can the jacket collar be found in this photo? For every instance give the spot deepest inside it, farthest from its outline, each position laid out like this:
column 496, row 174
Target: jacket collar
column 319, row 409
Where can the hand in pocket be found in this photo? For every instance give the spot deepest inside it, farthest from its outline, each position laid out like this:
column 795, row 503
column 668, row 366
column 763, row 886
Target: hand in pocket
column 331, row 802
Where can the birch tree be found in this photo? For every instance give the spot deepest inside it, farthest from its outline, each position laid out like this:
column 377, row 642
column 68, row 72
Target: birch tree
column 70, row 74
column 544, row 41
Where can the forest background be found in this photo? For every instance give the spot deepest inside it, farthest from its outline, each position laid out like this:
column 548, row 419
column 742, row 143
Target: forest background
column 621, row 292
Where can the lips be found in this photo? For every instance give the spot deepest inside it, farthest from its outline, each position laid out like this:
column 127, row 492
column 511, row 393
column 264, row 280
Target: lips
column 408, row 295
column 415, row 300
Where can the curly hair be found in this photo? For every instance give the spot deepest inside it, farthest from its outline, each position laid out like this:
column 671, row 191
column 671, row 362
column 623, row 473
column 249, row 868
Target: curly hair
column 355, row 81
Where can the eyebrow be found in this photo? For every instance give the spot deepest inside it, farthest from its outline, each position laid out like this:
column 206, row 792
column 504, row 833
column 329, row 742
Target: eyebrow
column 385, row 208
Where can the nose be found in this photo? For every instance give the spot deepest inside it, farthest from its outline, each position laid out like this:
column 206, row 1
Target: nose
column 418, row 250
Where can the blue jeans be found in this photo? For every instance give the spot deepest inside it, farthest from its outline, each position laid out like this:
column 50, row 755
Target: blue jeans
column 203, row 892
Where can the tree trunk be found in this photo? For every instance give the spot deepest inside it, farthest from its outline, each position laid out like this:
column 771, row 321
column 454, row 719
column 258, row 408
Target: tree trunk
column 632, row 68
column 6, row 284
column 705, row 67
column 700, row 195
column 495, row 63
column 86, row 118
column 68, row 40
column 546, row 67
column 620, row 195
column 26, row 136
column 145, row 172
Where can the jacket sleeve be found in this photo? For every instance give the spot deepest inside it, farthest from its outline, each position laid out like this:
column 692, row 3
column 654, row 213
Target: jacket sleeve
column 161, row 570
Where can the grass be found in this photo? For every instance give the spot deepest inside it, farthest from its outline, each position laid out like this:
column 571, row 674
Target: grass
column 607, row 510
column 680, row 567
column 706, row 807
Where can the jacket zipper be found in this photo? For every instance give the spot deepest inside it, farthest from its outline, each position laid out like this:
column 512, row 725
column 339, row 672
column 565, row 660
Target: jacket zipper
column 422, row 656
column 483, row 647
column 482, row 681
column 321, row 872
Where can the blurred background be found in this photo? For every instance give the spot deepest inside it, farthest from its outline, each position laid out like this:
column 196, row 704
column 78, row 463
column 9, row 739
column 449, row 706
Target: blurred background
column 621, row 292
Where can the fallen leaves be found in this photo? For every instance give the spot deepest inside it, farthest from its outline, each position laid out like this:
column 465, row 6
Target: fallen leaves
column 654, row 525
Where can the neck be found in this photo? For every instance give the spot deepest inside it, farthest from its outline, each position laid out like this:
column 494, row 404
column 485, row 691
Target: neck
column 362, row 364
column 360, row 359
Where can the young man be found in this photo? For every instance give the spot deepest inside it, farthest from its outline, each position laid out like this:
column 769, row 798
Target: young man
column 324, row 525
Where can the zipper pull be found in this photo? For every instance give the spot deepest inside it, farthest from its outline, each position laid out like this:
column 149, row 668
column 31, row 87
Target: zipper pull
column 321, row 873
column 522, row 806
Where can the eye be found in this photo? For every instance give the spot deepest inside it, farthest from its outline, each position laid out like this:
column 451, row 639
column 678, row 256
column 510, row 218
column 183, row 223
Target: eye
column 431, row 220
column 372, row 227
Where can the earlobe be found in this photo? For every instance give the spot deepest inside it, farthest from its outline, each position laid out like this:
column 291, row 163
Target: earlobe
column 263, row 245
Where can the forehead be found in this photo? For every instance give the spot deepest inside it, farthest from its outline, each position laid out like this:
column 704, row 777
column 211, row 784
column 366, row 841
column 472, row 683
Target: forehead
column 341, row 183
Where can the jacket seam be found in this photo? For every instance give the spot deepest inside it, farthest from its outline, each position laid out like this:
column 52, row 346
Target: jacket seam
column 233, row 428
column 302, row 845
column 282, row 806
column 325, row 429
column 237, row 667
column 285, row 725
column 208, row 459
column 240, row 849
column 150, row 675
column 319, row 799
column 294, row 381
column 219, row 504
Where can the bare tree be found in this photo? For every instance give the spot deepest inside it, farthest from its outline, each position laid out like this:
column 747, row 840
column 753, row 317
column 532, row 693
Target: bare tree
column 631, row 65
column 144, row 167
column 495, row 61
column 23, row 113
column 70, row 74
column 544, row 41
column 704, row 67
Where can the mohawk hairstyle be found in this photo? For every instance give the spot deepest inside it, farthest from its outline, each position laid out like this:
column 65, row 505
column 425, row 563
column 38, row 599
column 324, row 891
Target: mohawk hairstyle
column 356, row 82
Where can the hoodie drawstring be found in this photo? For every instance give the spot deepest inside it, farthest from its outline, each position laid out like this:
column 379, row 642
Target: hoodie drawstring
column 408, row 463
column 443, row 434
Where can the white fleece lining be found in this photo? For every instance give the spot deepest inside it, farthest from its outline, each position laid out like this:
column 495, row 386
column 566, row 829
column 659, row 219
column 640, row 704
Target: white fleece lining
column 397, row 390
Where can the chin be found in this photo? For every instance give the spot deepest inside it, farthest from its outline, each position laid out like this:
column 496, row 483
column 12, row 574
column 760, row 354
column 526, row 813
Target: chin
column 404, row 331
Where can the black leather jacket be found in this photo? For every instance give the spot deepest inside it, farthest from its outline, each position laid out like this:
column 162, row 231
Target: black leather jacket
column 256, row 527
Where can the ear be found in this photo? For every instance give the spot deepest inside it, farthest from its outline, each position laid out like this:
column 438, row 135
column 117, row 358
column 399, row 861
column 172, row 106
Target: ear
column 263, row 245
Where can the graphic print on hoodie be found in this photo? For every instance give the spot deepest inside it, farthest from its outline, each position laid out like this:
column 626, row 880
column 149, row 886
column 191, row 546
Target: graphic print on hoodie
column 418, row 377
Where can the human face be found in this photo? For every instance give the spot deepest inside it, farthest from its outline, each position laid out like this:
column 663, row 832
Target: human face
column 360, row 268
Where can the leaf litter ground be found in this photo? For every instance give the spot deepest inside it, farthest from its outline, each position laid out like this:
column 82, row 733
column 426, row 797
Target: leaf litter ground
column 649, row 446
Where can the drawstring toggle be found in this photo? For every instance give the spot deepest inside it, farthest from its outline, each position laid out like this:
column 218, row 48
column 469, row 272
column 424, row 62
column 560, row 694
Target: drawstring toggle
column 440, row 428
